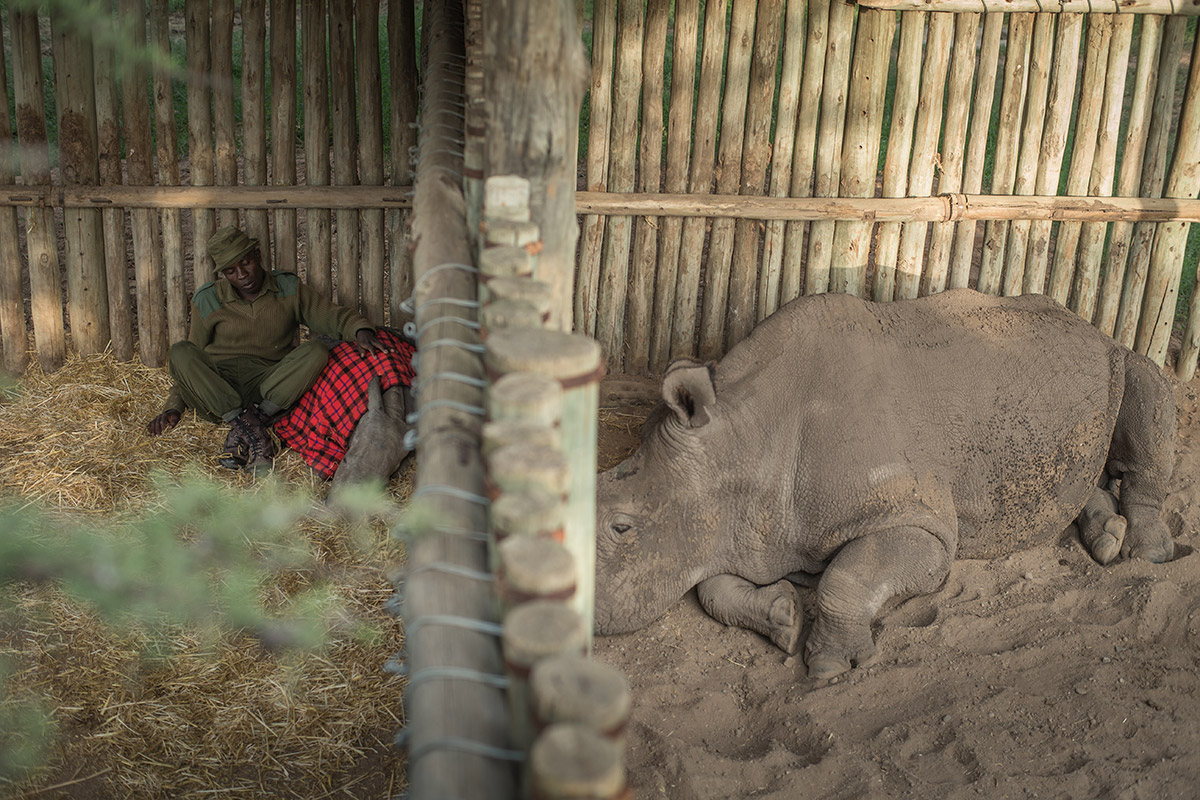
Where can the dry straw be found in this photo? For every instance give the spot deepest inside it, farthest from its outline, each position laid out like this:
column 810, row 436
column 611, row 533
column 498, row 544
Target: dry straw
column 223, row 719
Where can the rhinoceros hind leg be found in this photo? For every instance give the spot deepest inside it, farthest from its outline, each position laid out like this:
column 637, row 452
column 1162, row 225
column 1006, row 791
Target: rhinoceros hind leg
column 1143, row 456
column 774, row 611
column 1101, row 527
column 864, row 574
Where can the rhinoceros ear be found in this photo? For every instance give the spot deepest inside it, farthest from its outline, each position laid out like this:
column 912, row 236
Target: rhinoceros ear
column 689, row 393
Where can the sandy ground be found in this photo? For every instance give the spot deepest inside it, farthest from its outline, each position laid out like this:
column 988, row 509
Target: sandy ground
column 1038, row 674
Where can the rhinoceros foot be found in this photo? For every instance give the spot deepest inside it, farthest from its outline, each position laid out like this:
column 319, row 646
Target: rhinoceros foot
column 1147, row 538
column 828, row 661
column 775, row 611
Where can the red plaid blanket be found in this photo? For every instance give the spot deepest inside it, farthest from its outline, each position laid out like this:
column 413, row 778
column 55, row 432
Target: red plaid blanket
column 319, row 426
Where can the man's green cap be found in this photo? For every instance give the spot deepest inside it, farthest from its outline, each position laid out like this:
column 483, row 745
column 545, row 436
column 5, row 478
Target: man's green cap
column 227, row 246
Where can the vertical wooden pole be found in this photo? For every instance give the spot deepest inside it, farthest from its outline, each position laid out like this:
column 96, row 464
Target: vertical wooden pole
column 864, row 128
column 604, row 36
column 87, row 284
column 700, row 175
column 370, row 154
column 200, row 127
column 792, row 281
column 639, row 319
column 774, row 242
column 1093, row 234
column 283, row 124
column 402, row 59
column 316, row 140
column 899, row 150
column 1129, row 180
column 981, row 116
column 829, row 141
column 1040, row 56
column 679, row 139
column 254, row 118
column 911, row 259
column 167, row 147
column 45, row 282
column 1087, row 125
column 345, row 146
column 1054, row 144
column 536, row 89
column 108, row 151
column 12, row 307
column 224, row 124
column 1004, row 163
column 756, row 157
column 614, row 274
column 954, row 137
column 1162, row 284
column 1154, row 170
column 150, row 290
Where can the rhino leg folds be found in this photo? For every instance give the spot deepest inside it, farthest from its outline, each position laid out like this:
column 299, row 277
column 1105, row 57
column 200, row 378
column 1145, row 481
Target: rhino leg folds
column 1142, row 456
column 1101, row 526
column 865, row 574
column 774, row 611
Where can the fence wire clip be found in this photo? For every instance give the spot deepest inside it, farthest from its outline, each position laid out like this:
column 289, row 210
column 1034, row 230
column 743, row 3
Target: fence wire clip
column 469, row 380
column 466, row 323
column 452, row 621
column 489, row 679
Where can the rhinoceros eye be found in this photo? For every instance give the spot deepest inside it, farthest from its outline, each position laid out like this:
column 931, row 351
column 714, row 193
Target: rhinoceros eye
column 620, row 528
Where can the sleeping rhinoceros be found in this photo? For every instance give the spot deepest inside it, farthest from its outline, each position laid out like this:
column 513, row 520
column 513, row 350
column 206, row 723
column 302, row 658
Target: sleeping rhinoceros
column 867, row 444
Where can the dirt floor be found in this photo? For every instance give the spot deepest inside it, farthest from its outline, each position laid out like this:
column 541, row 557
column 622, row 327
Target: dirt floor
column 1039, row 674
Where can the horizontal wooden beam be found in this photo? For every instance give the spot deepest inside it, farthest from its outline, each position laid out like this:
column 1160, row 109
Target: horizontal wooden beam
column 941, row 208
column 1185, row 7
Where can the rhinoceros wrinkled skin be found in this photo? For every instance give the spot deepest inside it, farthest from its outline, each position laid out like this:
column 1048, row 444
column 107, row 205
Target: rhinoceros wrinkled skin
column 377, row 447
column 863, row 445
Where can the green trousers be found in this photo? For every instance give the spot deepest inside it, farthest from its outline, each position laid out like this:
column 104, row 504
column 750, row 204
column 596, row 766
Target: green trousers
column 219, row 390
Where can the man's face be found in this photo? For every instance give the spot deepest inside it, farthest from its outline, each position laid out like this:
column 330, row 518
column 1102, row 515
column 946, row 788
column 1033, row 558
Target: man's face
column 246, row 276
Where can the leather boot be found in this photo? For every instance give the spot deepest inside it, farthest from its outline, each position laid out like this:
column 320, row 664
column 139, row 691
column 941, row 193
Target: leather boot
column 260, row 447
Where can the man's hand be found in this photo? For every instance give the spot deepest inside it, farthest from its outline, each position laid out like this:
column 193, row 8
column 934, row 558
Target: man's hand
column 164, row 422
column 369, row 343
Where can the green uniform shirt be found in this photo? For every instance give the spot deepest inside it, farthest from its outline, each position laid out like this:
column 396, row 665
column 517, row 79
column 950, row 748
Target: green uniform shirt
column 225, row 326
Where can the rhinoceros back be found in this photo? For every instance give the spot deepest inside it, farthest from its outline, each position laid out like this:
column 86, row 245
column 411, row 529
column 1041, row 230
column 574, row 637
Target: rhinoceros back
column 1011, row 402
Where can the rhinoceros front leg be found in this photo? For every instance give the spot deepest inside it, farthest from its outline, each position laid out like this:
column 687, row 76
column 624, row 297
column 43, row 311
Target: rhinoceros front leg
column 774, row 611
column 861, row 577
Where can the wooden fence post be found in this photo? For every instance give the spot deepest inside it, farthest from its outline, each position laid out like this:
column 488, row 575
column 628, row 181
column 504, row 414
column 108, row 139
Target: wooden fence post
column 345, row 148
column 283, row 125
column 201, row 153
column 224, row 123
column 167, row 147
column 370, row 154
column 590, row 252
column 254, row 118
column 315, row 52
column 12, row 307
column 402, row 54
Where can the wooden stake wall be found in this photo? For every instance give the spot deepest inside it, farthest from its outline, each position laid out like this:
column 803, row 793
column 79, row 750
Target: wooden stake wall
column 1012, row 109
column 183, row 101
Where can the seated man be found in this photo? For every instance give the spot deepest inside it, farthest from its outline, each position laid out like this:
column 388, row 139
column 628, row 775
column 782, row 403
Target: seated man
column 240, row 363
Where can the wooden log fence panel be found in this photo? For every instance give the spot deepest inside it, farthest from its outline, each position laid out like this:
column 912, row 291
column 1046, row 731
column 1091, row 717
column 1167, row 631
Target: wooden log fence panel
column 283, row 125
column 860, row 156
column 1054, row 143
column 45, row 285
column 793, row 280
column 829, row 142
column 370, row 154
column 1087, row 126
column 756, row 157
column 1059, row 6
column 12, row 306
column 402, row 55
column 1129, row 180
column 899, row 150
column 774, row 240
column 201, row 148
column 87, row 283
column 1041, row 55
column 108, row 150
column 1093, row 234
column 1154, row 170
column 679, row 139
column 954, row 137
column 345, row 147
column 604, row 37
column 981, row 112
column 315, row 52
column 254, row 119
column 704, row 141
column 224, row 119
column 913, row 236
column 640, row 307
column 166, row 148
column 150, row 290
column 614, row 274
